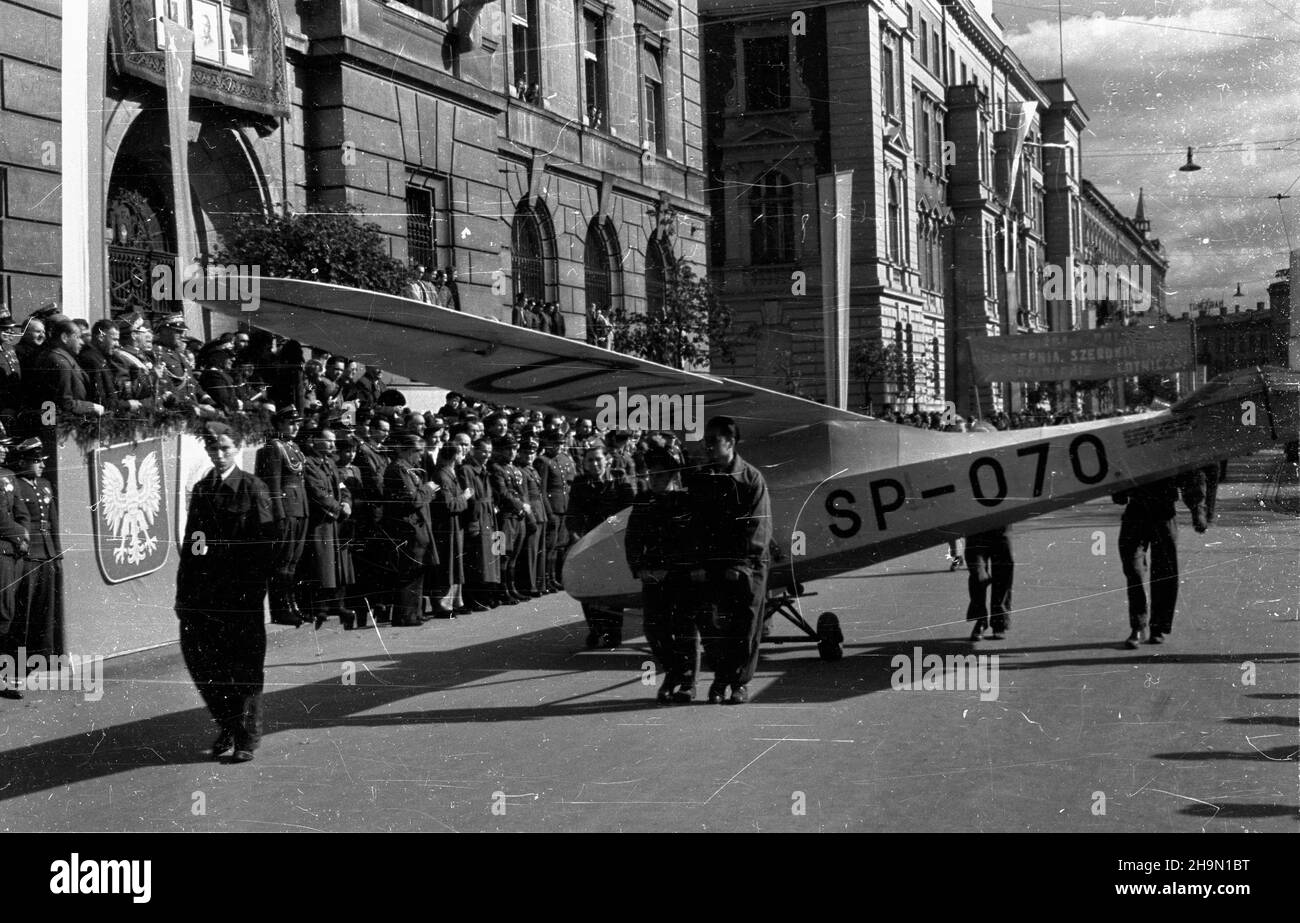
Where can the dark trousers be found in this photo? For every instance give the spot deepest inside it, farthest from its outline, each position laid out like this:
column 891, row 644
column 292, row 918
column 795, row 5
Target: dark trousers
column 555, row 543
column 988, row 558
column 528, row 574
column 408, row 597
column 225, row 653
column 731, row 623
column 509, row 560
column 670, row 627
column 1150, row 548
column 602, row 620
column 10, row 569
column 36, row 624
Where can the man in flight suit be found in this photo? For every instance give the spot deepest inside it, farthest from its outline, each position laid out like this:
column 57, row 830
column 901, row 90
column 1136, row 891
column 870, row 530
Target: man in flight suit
column 1148, row 545
column 658, row 543
column 732, row 521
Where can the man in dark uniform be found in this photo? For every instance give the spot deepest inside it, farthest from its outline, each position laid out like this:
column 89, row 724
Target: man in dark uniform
column 134, row 362
column 408, row 528
column 448, row 514
column 992, row 568
column 178, row 383
column 530, row 571
column 482, row 566
column 220, row 585
column 596, row 496
column 11, row 371
column 556, row 471
column 326, row 508
column 14, row 525
column 658, row 543
column 732, row 520
column 508, row 492
column 37, row 625
column 1148, row 545
column 279, row 465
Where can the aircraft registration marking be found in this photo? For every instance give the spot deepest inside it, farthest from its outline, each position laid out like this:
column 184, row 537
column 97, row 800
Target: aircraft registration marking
column 985, row 474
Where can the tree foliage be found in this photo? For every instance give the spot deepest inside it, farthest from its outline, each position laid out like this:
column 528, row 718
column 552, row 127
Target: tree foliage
column 693, row 325
column 332, row 245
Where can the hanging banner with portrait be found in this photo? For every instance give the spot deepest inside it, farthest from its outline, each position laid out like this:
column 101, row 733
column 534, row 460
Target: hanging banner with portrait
column 238, row 48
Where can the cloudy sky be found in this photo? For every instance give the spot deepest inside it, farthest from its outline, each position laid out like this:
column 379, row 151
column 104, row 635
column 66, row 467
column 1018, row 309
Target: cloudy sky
column 1158, row 75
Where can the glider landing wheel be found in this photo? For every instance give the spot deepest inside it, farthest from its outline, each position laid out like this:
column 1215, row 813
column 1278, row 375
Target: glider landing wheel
column 829, row 637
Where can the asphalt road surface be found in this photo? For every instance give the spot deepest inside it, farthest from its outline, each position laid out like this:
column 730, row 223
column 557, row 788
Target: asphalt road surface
column 502, row 722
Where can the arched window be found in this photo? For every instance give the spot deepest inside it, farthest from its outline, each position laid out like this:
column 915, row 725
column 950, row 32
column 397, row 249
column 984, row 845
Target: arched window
column 895, row 233
column 601, row 265
column 771, row 220
column 532, row 253
column 657, row 258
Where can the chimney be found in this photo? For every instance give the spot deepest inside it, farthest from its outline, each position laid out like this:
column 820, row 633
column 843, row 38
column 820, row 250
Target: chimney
column 1259, row 306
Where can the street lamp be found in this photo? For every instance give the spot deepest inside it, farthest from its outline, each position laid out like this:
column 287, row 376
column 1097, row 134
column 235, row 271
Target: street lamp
column 1189, row 167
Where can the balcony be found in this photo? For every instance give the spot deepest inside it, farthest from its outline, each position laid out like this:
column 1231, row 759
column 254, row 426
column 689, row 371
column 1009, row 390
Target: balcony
column 130, row 281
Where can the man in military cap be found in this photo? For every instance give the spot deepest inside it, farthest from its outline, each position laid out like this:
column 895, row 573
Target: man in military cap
column 14, row 526
column 36, row 625
column 557, row 472
column 530, row 571
column 279, row 465
column 512, row 507
column 328, row 507
column 133, row 361
column 220, row 585
column 177, row 383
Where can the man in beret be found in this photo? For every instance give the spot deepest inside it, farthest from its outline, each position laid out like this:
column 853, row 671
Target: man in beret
column 220, row 585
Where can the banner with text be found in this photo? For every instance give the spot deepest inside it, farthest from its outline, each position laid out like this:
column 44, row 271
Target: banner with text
column 1107, row 352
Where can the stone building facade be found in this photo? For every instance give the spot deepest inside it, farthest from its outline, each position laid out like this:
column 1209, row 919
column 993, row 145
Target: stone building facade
column 550, row 147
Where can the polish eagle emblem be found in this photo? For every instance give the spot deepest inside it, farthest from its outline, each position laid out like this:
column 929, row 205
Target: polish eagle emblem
column 130, row 500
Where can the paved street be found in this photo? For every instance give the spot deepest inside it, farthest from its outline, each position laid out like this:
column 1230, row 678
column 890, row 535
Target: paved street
column 506, row 710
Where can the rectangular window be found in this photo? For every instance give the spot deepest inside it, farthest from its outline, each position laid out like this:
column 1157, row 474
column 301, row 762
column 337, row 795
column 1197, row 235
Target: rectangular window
column 420, row 237
column 654, row 98
column 593, row 67
column 963, row 73
column 936, row 53
column 526, row 50
column 767, row 73
column 887, row 77
column 990, row 267
column 924, row 46
column 924, row 118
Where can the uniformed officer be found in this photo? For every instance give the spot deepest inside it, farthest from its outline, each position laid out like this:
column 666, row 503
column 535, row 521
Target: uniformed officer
column 14, row 526
column 1148, row 546
column 557, row 473
column 178, row 386
column 530, row 571
column 508, row 491
column 408, row 528
column 279, row 465
column 220, row 585
column 326, row 508
column 731, row 514
column 596, row 496
column 448, row 512
column 372, row 548
column 37, row 611
column 658, row 543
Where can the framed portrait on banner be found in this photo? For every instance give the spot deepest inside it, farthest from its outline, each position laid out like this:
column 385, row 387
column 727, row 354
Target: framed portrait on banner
column 207, row 31
column 235, row 26
column 175, row 10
